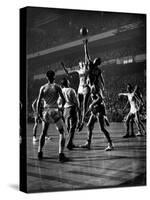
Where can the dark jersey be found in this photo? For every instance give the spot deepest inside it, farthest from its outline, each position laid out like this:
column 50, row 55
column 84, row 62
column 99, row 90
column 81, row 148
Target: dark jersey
column 94, row 74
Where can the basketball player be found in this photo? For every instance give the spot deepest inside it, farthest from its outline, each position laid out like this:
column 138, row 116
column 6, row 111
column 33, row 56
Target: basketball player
column 140, row 104
column 50, row 92
column 70, row 111
column 83, row 91
column 133, row 113
column 97, row 112
column 95, row 77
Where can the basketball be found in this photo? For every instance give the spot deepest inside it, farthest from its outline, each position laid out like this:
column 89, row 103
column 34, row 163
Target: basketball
column 83, row 31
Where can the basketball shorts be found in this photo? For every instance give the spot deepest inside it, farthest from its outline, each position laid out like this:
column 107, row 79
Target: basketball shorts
column 84, row 89
column 98, row 108
column 53, row 115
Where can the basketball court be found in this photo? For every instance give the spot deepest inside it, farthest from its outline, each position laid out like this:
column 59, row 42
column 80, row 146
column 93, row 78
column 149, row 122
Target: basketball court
column 87, row 169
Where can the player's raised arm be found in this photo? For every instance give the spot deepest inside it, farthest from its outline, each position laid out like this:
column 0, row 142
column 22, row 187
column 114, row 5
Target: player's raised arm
column 68, row 73
column 87, row 57
column 135, row 89
column 65, row 69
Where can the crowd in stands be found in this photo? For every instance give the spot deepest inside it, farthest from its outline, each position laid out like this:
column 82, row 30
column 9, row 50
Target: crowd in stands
column 67, row 28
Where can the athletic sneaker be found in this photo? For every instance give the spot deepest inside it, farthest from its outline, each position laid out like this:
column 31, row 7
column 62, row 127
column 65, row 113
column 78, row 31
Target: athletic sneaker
column 139, row 134
column 40, row 155
column 35, row 139
column 63, row 158
column 109, row 147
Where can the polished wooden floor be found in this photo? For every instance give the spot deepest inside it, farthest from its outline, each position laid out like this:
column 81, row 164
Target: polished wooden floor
column 95, row 168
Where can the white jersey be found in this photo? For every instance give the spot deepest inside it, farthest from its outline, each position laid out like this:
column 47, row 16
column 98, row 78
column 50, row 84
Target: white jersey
column 51, row 95
column 133, row 106
column 70, row 97
column 83, row 74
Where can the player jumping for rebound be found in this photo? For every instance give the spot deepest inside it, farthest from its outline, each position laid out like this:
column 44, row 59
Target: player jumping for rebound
column 83, row 90
column 50, row 92
column 95, row 77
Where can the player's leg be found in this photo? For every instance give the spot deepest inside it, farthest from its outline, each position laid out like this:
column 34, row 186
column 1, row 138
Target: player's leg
column 67, row 122
column 67, row 119
column 142, row 127
column 132, row 128
column 57, row 118
column 141, row 124
column 72, row 116
column 90, row 127
column 85, row 105
column 45, row 126
column 106, row 133
column 36, row 121
column 138, row 125
column 105, row 115
column 60, row 128
column 103, row 107
column 127, row 125
column 80, row 99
